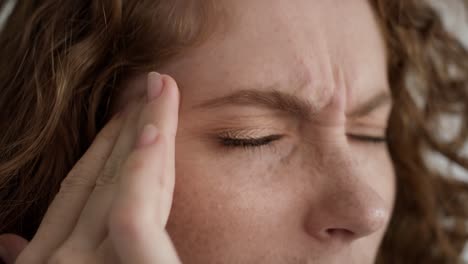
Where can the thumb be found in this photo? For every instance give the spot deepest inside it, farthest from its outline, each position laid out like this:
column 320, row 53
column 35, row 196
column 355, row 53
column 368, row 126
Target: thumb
column 11, row 246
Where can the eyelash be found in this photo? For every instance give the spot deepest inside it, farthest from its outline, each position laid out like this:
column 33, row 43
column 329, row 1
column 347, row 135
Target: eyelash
column 230, row 142
column 246, row 143
column 368, row 139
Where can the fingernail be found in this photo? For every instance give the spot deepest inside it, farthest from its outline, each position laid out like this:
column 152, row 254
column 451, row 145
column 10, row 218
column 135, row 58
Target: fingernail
column 155, row 85
column 148, row 136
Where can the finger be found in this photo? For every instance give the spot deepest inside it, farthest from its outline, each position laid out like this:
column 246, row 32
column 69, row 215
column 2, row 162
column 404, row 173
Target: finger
column 11, row 246
column 64, row 210
column 138, row 216
column 162, row 109
column 106, row 253
column 155, row 247
column 123, row 146
column 163, row 113
column 91, row 227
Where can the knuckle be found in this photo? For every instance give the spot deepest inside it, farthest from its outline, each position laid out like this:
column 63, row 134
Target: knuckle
column 74, row 181
column 79, row 177
column 107, row 177
column 165, row 138
column 127, row 224
column 135, row 163
column 106, row 136
column 109, row 173
column 61, row 256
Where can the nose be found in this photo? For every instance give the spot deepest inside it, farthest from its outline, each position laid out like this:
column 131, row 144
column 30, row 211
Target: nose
column 345, row 207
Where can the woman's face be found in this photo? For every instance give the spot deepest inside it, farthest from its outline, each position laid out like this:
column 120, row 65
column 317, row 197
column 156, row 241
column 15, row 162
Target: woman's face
column 278, row 155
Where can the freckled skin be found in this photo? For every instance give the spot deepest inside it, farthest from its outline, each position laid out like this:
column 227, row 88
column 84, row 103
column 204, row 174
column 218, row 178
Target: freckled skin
column 315, row 196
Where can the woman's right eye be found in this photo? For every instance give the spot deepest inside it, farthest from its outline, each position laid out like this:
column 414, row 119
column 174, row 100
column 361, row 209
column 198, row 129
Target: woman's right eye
column 231, row 142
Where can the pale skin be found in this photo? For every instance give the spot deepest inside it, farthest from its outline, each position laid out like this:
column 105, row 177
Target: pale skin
column 321, row 190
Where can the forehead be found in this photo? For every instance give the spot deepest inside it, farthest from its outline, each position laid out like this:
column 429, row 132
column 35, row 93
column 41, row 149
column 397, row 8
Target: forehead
column 297, row 45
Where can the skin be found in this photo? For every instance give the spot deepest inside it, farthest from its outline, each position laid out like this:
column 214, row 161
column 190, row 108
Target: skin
column 319, row 194
column 113, row 205
column 314, row 196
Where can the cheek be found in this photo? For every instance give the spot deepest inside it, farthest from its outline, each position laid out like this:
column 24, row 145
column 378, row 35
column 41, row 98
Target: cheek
column 220, row 203
column 235, row 204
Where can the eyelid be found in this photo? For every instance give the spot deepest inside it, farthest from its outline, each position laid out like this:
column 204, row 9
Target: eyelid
column 366, row 131
column 367, row 127
column 248, row 143
column 268, row 137
column 245, row 133
column 368, row 138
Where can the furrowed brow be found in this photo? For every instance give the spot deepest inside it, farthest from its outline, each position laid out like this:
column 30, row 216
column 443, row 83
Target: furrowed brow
column 273, row 100
column 375, row 102
column 291, row 104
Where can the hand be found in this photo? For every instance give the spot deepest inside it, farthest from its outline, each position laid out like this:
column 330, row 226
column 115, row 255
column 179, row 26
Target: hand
column 114, row 204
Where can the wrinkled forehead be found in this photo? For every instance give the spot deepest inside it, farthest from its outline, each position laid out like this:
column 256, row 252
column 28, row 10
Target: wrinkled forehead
column 288, row 43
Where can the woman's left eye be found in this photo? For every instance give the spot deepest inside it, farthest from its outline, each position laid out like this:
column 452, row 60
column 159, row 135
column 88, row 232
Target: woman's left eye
column 368, row 139
column 251, row 142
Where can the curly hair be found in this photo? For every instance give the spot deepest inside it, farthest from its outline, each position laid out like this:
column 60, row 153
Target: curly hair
column 428, row 72
column 63, row 61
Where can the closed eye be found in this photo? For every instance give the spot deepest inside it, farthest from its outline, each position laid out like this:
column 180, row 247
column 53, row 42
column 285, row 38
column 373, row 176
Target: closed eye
column 251, row 142
column 248, row 142
column 368, row 139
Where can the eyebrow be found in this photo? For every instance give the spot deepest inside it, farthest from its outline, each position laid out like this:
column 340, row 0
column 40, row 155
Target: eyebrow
column 289, row 103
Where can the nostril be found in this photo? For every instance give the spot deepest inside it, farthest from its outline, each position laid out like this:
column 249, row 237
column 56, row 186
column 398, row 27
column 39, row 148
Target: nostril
column 340, row 233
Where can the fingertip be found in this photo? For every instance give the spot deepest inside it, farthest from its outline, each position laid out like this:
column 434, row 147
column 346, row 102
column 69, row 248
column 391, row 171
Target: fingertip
column 155, row 86
column 171, row 83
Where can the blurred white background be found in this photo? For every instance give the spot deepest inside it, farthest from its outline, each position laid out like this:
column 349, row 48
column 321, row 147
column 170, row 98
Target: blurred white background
column 456, row 20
